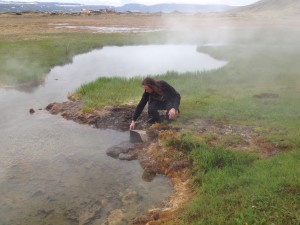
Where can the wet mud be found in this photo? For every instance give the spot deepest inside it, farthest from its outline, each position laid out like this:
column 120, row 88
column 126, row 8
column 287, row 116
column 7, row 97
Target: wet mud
column 110, row 117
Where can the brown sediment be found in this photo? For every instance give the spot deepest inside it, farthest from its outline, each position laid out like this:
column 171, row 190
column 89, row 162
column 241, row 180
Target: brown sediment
column 159, row 159
column 110, row 117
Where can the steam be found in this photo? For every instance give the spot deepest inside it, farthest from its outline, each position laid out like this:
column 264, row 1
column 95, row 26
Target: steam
column 262, row 51
column 18, row 69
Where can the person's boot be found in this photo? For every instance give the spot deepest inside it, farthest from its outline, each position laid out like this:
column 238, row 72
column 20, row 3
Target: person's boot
column 151, row 121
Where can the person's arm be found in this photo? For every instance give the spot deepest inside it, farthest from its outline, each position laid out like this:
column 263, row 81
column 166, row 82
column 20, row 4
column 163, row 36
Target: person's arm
column 138, row 110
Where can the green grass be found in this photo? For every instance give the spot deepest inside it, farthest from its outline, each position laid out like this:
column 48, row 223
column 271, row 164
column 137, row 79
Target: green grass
column 237, row 190
column 240, row 188
column 107, row 91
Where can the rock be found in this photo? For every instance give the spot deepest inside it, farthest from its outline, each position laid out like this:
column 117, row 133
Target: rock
column 37, row 194
column 130, row 197
column 90, row 214
column 126, row 156
column 116, row 217
column 85, row 213
column 144, row 219
column 138, row 136
column 44, row 213
column 148, row 175
column 72, row 215
column 155, row 216
column 31, row 111
column 116, row 150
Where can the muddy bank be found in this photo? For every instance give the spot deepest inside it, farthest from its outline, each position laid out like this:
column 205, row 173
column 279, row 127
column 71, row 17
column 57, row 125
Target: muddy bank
column 110, row 117
column 152, row 155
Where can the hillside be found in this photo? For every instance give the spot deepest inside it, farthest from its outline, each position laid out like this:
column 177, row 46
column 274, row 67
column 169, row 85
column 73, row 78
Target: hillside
column 18, row 7
column 272, row 8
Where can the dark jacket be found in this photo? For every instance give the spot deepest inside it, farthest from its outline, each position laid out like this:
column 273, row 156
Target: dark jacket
column 170, row 97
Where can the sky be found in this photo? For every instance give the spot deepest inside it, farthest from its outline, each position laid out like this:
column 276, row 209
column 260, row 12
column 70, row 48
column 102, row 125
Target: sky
column 147, row 2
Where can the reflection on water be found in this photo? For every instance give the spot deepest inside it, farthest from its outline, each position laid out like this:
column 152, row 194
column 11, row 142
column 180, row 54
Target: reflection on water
column 55, row 171
column 129, row 61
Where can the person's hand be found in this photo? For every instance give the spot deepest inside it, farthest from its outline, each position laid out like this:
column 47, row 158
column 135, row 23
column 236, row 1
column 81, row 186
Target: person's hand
column 172, row 114
column 131, row 127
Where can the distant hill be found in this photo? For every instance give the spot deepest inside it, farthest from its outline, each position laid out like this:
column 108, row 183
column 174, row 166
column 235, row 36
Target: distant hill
column 173, row 8
column 273, row 7
column 15, row 6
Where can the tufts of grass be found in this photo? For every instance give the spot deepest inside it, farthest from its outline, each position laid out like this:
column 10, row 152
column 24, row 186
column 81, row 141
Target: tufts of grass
column 208, row 159
column 238, row 187
column 109, row 91
column 234, row 188
column 183, row 142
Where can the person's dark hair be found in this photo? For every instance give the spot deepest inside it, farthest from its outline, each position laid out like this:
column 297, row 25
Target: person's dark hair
column 153, row 84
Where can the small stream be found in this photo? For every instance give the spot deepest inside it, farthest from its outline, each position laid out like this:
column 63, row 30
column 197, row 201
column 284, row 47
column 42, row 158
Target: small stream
column 55, row 171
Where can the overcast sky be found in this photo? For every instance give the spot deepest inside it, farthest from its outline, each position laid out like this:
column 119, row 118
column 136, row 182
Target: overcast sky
column 148, row 2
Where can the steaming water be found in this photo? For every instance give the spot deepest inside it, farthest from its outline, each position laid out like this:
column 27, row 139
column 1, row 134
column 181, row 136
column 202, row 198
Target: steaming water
column 55, row 171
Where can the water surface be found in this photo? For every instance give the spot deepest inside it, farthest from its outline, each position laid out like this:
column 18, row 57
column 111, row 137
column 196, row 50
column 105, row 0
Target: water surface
column 129, row 61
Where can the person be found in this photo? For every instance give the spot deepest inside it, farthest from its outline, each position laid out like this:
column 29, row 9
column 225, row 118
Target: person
column 160, row 96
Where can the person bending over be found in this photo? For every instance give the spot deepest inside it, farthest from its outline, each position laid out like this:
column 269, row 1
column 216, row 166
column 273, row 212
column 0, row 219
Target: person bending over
column 160, row 96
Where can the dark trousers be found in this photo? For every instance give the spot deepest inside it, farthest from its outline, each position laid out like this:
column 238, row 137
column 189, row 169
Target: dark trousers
column 153, row 107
